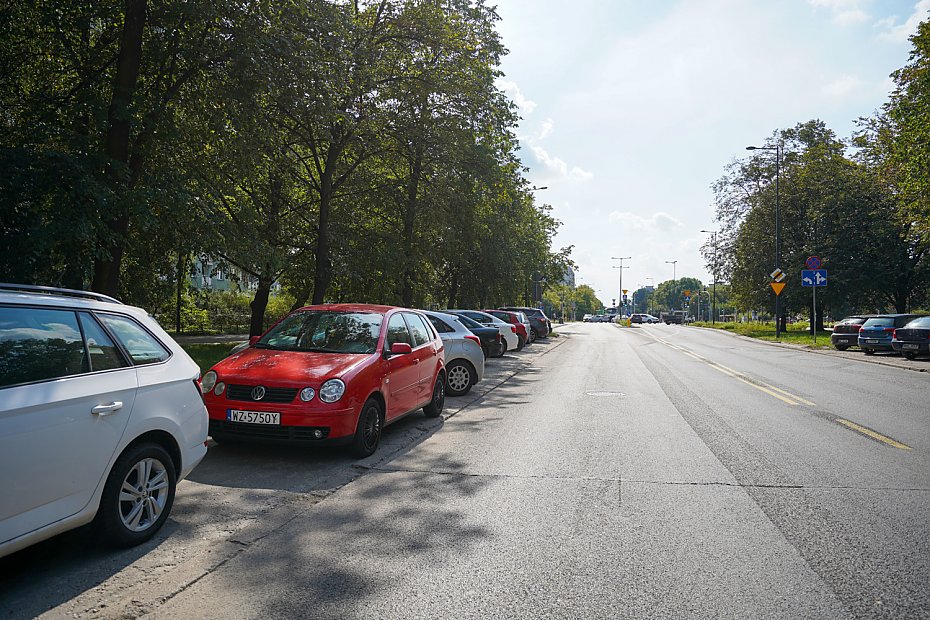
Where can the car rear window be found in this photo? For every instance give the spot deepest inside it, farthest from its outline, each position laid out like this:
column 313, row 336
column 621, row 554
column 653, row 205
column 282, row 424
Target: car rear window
column 921, row 323
column 880, row 322
column 853, row 321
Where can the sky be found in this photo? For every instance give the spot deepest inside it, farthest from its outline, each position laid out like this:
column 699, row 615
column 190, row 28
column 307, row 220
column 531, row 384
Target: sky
column 632, row 109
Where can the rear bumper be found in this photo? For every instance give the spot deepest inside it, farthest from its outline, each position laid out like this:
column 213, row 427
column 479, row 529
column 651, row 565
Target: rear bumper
column 923, row 348
column 882, row 344
column 847, row 340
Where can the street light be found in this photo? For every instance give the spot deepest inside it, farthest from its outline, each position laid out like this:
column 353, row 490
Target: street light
column 652, row 283
column 672, row 263
column 621, row 268
column 713, row 312
column 778, row 155
column 534, row 188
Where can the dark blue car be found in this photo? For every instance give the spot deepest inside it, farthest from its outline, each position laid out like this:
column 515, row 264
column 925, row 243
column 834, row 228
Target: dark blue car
column 877, row 332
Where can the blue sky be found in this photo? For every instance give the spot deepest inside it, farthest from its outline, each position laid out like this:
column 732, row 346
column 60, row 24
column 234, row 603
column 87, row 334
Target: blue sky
column 632, row 108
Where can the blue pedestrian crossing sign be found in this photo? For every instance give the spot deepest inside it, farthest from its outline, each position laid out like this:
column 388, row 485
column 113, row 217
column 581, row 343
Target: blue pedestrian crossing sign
column 813, row 277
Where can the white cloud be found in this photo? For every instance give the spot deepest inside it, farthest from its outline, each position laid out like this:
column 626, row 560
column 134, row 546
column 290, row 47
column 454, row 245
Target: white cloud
column 546, row 128
column 558, row 167
column 662, row 222
column 900, row 34
column 526, row 106
column 845, row 12
column 843, row 86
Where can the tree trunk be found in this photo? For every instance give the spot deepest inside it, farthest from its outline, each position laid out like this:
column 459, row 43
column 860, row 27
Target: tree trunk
column 453, row 290
column 258, row 305
column 323, row 268
column 116, row 144
column 410, row 217
column 180, row 276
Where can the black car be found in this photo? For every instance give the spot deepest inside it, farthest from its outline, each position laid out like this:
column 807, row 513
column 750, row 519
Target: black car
column 913, row 339
column 846, row 332
column 491, row 342
column 540, row 325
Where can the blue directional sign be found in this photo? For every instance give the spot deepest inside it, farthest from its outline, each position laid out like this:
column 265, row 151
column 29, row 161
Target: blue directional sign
column 813, row 277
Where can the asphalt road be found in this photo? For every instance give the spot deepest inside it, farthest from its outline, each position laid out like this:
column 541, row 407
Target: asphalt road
column 653, row 472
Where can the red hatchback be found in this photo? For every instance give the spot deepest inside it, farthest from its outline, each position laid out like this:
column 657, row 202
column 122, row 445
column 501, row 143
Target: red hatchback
column 331, row 374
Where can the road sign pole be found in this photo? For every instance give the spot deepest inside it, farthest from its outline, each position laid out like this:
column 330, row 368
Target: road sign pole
column 814, row 316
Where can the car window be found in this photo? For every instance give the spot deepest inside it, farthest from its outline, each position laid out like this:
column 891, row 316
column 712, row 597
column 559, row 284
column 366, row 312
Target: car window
column 141, row 345
column 325, row 331
column 879, row 322
column 103, row 352
column 397, row 331
column 921, row 323
column 441, row 326
column 480, row 318
column 468, row 323
column 421, row 333
column 38, row 344
column 901, row 321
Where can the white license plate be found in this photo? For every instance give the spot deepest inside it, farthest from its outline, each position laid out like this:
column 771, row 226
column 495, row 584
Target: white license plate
column 843, row 340
column 253, row 417
column 909, row 346
column 871, row 341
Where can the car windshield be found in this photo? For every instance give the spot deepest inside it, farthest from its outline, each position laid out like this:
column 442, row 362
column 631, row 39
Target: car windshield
column 880, row 321
column 326, row 332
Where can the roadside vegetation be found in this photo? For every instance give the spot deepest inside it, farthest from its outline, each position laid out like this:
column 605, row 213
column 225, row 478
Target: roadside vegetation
column 796, row 333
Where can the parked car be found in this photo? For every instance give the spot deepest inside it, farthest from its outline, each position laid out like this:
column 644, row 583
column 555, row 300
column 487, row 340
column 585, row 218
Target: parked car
column 540, row 325
column 508, row 331
column 492, row 344
column 100, row 417
column 913, row 339
column 463, row 356
column 877, row 332
column 846, row 332
column 333, row 374
column 519, row 321
column 587, row 318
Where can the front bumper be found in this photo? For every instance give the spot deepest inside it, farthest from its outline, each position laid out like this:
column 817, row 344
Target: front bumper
column 298, row 426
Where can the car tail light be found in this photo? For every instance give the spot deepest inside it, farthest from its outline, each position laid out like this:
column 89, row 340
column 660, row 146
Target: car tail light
column 513, row 329
column 894, row 334
column 498, row 336
column 200, row 390
column 474, row 339
column 888, row 329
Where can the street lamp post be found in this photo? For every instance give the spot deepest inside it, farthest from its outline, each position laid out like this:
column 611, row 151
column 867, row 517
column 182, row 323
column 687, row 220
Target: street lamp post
column 713, row 312
column 778, row 155
column 652, row 283
column 621, row 268
column 672, row 263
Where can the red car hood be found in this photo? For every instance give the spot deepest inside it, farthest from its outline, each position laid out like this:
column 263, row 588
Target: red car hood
column 272, row 367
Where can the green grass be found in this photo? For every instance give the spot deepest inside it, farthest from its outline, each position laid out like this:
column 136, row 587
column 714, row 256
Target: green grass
column 797, row 333
column 208, row 354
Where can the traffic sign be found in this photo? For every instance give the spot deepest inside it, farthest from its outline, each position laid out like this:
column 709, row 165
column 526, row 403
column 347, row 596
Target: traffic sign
column 777, row 287
column 625, row 290
column 778, row 275
column 813, row 262
column 687, row 293
column 813, row 277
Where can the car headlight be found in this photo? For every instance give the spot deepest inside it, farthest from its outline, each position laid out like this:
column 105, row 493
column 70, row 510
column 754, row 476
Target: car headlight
column 208, row 381
column 219, row 389
column 308, row 393
column 332, row 390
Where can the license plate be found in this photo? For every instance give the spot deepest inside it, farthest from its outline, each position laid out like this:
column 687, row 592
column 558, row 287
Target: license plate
column 843, row 340
column 909, row 346
column 253, row 417
column 871, row 341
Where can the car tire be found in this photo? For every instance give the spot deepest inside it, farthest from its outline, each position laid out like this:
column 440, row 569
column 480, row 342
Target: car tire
column 909, row 355
column 503, row 348
column 533, row 335
column 841, row 347
column 368, row 430
column 127, row 517
column 438, row 401
column 521, row 342
column 460, row 376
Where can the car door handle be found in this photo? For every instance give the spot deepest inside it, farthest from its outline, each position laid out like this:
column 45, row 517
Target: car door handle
column 109, row 409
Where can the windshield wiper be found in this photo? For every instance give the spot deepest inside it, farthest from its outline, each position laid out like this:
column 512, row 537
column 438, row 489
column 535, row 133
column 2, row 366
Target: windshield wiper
column 263, row 345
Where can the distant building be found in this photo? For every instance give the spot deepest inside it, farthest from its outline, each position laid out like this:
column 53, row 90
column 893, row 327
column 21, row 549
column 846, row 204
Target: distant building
column 213, row 275
column 569, row 277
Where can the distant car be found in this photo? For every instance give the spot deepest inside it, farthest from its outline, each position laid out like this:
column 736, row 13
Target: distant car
column 333, row 374
column 508, row 332
column 586, row 318
column 648, row 318
column 462, row 350
column 846, row 332
column 100, row 417
column 520, row 323
column 540, row 325
column 492, row 344
column 913, row 339
column 877, row 332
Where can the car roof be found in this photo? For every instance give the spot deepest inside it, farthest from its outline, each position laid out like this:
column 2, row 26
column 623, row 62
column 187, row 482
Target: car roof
column 380, row 309
column 63, row 298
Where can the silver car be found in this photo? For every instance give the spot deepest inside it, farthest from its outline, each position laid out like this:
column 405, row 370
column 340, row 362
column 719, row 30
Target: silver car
column 464, row 357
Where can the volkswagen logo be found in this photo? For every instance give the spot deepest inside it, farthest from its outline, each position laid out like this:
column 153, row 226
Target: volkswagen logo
column 258, row 392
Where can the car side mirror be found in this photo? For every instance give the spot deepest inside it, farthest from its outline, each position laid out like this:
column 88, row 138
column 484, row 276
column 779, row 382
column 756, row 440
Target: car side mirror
column 253, row 340
column 399, row 348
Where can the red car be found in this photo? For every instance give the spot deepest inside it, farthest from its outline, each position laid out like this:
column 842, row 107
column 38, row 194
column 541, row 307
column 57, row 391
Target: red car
column 512, row 318
column 331, row 374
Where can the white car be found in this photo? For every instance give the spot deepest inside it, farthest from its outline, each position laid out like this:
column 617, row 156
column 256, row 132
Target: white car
column 508, row 331
column 100, row 417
